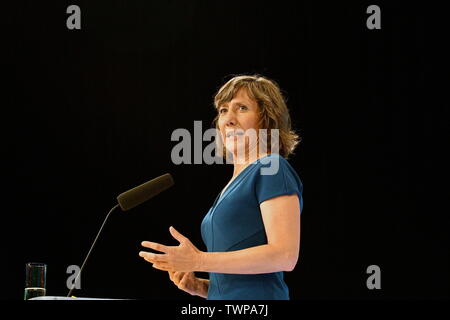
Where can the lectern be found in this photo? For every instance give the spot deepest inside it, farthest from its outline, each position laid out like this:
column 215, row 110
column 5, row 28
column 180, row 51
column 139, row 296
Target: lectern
column 69, row 298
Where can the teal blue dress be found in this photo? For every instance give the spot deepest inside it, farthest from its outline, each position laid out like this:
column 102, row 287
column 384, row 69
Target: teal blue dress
column 234, row 222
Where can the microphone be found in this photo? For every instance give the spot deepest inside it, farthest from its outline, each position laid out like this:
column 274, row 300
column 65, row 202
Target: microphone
column 144, row 192
column 128, row 200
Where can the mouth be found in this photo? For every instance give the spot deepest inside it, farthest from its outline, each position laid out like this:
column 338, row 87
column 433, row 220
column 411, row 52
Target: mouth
column 235, row 133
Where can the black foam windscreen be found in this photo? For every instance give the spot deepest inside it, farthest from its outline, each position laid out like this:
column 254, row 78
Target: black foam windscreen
column 134, row 197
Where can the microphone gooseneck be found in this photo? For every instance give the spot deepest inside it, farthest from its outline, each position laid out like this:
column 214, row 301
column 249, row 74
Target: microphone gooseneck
column 90, row 250
column 128, row 200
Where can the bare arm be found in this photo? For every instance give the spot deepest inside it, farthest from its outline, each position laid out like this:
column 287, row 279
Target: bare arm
column 281, row 218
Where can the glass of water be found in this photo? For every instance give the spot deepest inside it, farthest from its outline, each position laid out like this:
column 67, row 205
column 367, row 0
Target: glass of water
column 35, row 278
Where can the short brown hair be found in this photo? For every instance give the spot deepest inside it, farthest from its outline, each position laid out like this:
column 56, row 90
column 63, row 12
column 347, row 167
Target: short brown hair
column 274, row 113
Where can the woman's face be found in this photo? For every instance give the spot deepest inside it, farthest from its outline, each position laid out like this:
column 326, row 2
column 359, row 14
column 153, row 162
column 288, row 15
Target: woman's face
column 235, row 118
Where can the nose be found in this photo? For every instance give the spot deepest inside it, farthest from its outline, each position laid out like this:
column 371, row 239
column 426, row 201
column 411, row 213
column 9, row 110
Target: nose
column 230, row 123
column 230, row 119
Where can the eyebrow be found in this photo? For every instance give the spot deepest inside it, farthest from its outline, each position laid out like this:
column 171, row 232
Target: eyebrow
column 235, row 103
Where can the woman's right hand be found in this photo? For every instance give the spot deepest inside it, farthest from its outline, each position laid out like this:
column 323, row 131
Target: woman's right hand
column 188, row 282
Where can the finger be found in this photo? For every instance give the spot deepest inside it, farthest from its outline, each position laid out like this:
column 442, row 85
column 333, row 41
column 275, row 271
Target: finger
column 173, row 276
column 175, row 279
column 153, row 257
column 161, row 267
column 177, row 235
column 179, row 276
column 182, row 284
column 155, row 246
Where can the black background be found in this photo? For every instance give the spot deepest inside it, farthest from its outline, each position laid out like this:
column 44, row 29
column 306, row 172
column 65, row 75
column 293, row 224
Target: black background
column 88, row 114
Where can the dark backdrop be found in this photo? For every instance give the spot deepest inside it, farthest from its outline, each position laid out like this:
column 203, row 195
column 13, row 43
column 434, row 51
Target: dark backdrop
column 88, row 114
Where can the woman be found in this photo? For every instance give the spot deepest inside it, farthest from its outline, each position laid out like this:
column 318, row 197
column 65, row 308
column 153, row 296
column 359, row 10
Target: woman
column 252, row 231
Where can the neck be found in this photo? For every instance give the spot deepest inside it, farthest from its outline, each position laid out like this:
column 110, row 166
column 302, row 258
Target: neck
column 240, row 164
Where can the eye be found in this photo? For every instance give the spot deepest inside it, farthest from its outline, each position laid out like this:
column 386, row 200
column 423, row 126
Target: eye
column 243, row 108
column 222, row 110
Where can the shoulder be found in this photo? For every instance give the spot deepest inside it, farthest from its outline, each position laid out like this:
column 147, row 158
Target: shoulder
column 275, row 165
column 274, row 176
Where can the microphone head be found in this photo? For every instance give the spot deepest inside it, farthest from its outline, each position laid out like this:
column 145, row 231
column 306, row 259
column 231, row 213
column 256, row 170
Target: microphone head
column 134, row 197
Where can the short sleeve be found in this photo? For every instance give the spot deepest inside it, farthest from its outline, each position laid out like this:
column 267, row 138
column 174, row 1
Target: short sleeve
column 280, row 180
